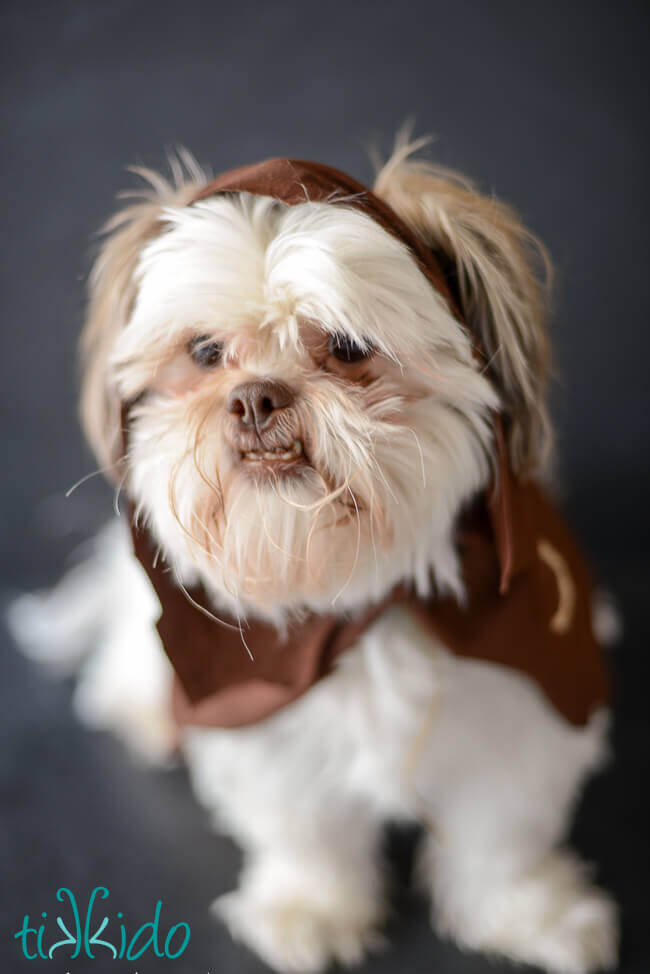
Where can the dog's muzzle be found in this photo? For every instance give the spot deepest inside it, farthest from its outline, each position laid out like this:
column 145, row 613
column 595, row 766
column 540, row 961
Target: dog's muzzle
column 261, row 430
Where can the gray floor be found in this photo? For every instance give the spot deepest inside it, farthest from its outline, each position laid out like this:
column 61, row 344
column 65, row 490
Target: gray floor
column 546, row 104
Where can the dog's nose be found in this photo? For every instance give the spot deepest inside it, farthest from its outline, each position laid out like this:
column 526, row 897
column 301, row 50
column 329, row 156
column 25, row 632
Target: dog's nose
column 256, row 402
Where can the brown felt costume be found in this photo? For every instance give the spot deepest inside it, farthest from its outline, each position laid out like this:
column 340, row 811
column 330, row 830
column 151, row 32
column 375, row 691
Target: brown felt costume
column 528, row 592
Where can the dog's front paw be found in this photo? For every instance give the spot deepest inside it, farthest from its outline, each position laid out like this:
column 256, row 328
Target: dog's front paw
column 551, row 917
column 584, row 938
column 148, row 732
column 295, row 935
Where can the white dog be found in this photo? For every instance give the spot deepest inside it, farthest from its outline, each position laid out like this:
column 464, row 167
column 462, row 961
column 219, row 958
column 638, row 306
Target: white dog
column 302, row 413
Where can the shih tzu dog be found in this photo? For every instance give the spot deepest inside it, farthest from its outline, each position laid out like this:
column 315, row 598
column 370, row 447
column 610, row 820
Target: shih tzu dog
column 325, row 409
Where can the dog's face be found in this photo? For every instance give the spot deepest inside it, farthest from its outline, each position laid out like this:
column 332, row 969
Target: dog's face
column 308, row 416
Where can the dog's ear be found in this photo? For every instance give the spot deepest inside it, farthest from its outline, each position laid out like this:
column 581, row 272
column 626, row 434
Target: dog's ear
column 112, row 291
column 498, row 274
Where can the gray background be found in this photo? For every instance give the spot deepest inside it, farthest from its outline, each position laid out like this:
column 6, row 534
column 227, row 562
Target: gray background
column 545, row 105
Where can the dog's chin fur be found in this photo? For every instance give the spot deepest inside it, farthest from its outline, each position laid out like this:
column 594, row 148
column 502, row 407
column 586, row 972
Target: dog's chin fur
column 313, row 539
column 393, row 448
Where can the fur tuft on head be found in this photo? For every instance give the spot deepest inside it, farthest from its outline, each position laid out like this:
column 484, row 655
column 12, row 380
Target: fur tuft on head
column 499, row 273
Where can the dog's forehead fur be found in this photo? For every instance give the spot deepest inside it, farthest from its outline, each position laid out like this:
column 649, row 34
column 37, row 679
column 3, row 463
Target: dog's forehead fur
column 246, row 267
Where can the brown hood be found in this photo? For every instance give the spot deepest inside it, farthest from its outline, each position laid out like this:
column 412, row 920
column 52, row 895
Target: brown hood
column 529, row 595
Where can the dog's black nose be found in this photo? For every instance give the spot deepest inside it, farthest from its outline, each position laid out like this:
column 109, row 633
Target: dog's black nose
column 256, row 402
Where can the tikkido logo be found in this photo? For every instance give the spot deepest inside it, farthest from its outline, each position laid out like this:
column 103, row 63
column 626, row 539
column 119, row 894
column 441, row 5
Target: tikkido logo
column 83, row 933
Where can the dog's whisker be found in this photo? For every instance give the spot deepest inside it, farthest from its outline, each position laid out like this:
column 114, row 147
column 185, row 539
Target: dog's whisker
column 420, row 451
column 358, row 546
column 93, row 473
column 210, row 615
column 486, row 367
column 288, row 554
column 371, row 523
column 189, row 535
column 118, row 490
column 385, row 482
column 211, row 543
column 156, row 556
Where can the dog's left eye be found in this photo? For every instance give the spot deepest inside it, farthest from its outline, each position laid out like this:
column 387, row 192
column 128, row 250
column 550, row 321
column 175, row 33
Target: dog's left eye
column 346, row 350
column 205, row 352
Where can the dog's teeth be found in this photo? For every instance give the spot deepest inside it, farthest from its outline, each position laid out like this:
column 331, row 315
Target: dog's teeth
column 294, row 451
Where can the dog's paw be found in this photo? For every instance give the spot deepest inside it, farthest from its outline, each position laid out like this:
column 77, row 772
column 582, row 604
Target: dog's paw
column 47, row 632
column 298, row 936
column 552, row 918
column 147, row 731
column 584, row 938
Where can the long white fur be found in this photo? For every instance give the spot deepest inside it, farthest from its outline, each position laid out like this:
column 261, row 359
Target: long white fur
column 402, row 729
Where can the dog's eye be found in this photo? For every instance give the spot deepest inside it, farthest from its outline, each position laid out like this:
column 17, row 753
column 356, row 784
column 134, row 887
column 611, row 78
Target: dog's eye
column 205, row 352
column 346, row 350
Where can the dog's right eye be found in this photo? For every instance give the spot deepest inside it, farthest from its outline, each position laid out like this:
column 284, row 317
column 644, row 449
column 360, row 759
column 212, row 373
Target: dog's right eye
column 204, row 351
column 346, row 349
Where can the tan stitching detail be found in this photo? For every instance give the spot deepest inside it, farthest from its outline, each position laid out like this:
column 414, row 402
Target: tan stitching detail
column 563, row 616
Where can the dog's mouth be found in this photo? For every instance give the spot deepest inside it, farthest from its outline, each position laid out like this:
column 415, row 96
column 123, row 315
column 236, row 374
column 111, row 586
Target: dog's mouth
column 276, row 456
column 264, row 461
column 269, row 452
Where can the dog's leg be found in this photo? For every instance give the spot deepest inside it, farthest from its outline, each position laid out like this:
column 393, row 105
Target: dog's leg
column 311, row 890
column 311, row 896
column 58, row 626
column 498, row 780
column 99, row 622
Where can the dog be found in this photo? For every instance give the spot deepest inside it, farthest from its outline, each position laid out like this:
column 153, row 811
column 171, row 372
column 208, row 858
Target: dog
column 325, row 407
